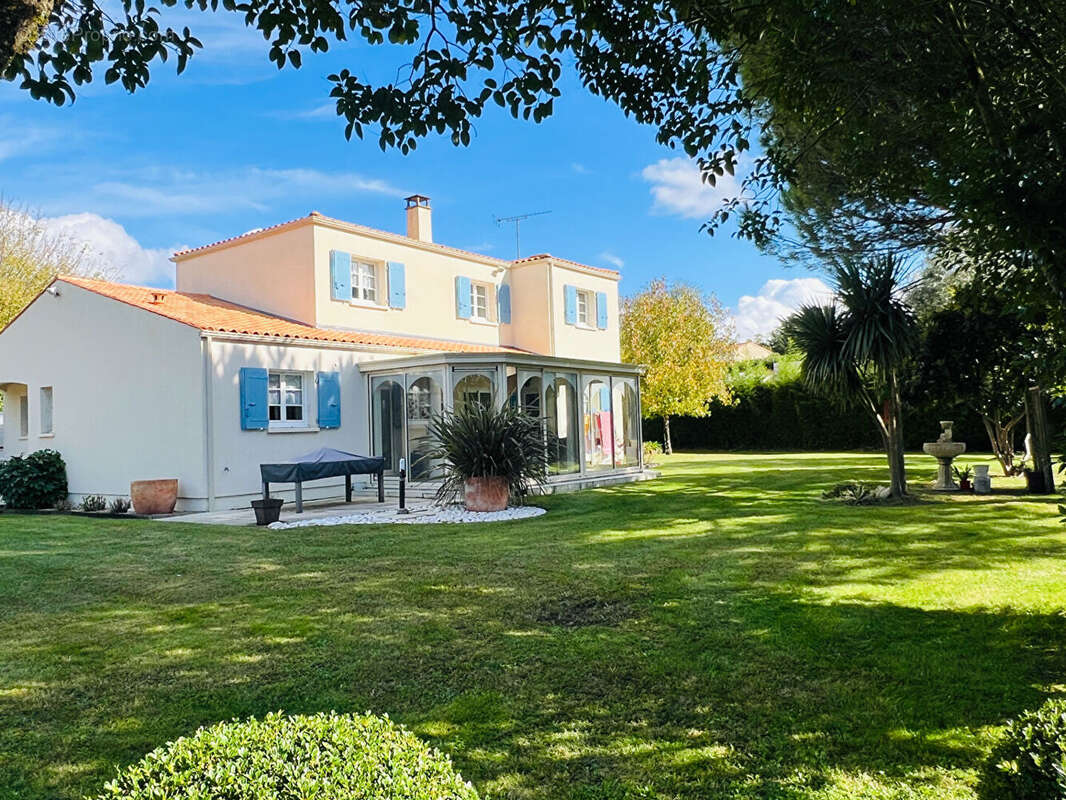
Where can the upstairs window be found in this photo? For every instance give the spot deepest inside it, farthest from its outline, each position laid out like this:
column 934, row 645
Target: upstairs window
column 364, row 282
column 285, row 400
column 582, row 308
column 479, row 301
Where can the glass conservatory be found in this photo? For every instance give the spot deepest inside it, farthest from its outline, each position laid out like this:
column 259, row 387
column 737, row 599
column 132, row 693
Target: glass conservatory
column 589, row 411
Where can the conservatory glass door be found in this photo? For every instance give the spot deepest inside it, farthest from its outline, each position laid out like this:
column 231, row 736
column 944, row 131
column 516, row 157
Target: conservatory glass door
column 387, row 420
column 561, row 426
column 425, row 399
column 599, row 434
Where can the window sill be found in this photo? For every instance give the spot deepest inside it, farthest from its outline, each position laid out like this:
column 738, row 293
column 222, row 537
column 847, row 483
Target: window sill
column 368, row 305
column 46, row 436
column 295, row 429
column 490, row 322
column 582, row 326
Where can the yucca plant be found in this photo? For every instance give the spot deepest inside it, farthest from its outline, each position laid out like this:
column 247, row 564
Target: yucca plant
column 854, row 349
column 480, row 442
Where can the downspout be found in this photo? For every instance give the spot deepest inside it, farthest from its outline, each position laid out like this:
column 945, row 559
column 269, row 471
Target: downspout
column 208, row 426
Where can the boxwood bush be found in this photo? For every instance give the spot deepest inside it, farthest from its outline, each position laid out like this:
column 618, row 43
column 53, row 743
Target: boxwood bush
column 38, row 480
column 1029, row 763
column 325, row 756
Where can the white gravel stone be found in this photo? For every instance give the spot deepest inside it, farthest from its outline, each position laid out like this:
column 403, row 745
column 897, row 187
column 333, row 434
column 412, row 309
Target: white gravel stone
column 426, row 516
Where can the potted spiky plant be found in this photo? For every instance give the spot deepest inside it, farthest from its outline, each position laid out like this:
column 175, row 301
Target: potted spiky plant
column 489, row 456
column 964, row 475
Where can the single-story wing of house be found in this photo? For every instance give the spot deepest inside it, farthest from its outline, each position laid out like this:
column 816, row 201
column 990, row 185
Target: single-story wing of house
column 316, row 333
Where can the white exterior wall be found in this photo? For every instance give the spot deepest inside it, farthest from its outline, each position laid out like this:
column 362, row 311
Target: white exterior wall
column 237, row 453
column 530, row 327
column 430, row 289
column 287, row 272
column 589, row 343
column 127, row 392
column 271, row 273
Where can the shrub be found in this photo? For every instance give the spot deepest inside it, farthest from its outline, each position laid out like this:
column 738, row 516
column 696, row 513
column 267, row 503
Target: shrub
column 854, row 494
column 38, row 480
column 93, row 502
column 120, row 505
column 1029, row 763
column 480, row 442
column 653, row 451
column 294, row 757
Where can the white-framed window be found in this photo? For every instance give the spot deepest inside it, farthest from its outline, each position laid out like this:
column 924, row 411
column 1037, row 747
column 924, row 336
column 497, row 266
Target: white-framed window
column 480, row 305
column 583, row 303
column 24, row 416
column 287, row 400
column 364, row 282
column 46, row 411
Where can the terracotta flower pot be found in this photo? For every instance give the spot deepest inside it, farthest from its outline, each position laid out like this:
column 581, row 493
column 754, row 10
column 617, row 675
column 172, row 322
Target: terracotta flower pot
column 154, row 497
column 485, row 494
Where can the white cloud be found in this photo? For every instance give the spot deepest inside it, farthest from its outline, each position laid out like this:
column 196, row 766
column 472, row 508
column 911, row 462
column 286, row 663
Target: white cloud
column 20, row 138
column 677, row 188
column 612, row 259
column 326, row 110
column 110, row 247
column 155, row 191
column 480, row 247
column 758, row 315
column 579, row 168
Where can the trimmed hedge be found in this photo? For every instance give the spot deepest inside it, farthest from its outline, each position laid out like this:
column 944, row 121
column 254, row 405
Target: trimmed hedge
column 38, row 480
column 1029, row 763
column 785, row 415
column 325, row 756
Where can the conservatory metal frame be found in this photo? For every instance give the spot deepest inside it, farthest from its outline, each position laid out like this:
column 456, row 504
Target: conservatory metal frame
column 452, row 367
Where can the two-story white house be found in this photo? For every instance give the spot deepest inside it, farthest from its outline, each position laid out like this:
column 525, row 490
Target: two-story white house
column 316, row 333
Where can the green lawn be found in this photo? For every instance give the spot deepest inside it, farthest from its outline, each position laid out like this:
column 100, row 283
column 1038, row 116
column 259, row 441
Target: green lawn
column 719, row 633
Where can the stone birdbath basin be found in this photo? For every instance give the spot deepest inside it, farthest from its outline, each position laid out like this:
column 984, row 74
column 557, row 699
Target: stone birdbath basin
column 945, row 450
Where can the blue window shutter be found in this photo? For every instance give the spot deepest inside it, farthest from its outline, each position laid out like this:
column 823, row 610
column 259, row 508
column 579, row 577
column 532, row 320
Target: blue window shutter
column 397, row 285
column 601, row 310
column 254, row 412
column 463, row 308
column 570, row 304
column 605, row 399
column 329, row 399
column 340, row 275
column 503, row 300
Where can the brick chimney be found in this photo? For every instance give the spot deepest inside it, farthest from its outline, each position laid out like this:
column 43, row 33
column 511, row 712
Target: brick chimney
column 419, row 218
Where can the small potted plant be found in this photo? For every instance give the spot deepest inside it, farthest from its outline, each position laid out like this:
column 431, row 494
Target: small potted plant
column 964, row 475
column 267, row 510
column 1034, row 479
column 490, row 455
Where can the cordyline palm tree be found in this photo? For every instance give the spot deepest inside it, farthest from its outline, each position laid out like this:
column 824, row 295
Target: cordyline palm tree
column 854, row 349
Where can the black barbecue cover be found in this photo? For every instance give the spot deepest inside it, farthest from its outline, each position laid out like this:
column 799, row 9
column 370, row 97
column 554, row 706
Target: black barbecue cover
column 325, row 462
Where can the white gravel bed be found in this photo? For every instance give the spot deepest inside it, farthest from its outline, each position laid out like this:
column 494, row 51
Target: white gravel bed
column 425, row 516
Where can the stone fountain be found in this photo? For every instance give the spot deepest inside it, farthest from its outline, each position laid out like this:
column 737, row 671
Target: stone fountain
column 944, row 450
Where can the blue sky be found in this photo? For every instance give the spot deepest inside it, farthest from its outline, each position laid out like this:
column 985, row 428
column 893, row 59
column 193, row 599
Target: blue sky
column 234, row 144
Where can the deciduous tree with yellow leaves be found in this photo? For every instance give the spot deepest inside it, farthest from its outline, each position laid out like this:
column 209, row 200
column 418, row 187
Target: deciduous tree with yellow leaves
column 31, row 256
column 685, row 340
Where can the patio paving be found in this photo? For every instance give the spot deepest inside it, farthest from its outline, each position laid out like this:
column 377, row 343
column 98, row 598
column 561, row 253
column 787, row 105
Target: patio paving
column 312, row 510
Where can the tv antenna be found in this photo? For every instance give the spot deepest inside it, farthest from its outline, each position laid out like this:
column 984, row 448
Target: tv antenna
column 517, row 220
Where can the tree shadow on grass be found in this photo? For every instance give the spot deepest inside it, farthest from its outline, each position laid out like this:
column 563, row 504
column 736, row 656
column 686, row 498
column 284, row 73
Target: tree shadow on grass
column 734, row 670
column 718, row 693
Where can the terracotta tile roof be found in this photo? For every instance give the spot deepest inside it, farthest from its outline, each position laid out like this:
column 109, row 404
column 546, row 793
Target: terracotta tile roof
column 351, row 227
column 539, row 256
column 315, row 216
column 208, row 313
column 254, row 232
